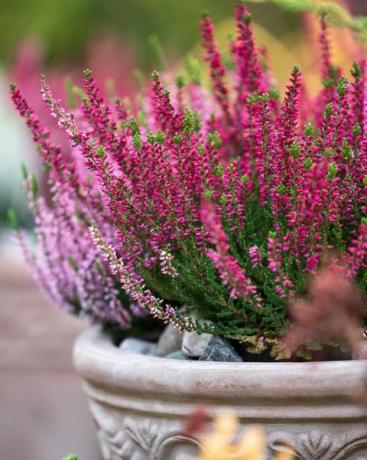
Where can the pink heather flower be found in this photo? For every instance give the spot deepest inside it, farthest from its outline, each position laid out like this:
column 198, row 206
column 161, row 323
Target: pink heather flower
column 218, row 200
column 166, row 260
column 217, row 69
column 64, row 262
column 251, row 77
column 356, row 254
column 325, row 49
column 255, row 256
column 68, row 267
column 134, row 286
column 231, row 274
column 275, row 264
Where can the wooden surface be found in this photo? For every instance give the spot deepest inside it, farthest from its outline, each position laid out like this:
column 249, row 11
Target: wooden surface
column 43, row 411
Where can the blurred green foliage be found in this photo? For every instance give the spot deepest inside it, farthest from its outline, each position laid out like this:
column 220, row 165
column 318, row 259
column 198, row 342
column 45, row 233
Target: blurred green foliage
column 65, row 27
column 337, row 14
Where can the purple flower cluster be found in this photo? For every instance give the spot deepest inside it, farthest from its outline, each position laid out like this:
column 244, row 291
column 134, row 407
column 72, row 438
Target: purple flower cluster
column 65, row 263
column 222, row 201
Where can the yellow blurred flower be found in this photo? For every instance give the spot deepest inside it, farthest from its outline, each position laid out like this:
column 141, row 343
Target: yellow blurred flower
column 221, row 444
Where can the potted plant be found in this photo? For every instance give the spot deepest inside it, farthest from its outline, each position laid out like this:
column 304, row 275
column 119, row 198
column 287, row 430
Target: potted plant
column 211, row 210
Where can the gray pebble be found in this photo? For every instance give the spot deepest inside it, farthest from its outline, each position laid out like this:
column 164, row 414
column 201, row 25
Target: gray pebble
column 169, row 341
column 139, row 346
column 194, row 345
column 220, row 349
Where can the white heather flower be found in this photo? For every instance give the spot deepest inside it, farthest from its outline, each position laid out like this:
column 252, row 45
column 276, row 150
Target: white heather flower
column 167, row 268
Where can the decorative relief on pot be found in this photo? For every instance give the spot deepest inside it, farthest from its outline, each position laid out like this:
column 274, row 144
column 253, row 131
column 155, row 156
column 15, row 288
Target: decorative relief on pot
column 145, row 438
column 176, row 447
column 130, row 441
column 318, row 445
column 138, row 438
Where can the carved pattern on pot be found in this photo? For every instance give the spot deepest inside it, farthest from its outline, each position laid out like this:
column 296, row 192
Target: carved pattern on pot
column 319, row 446
column 143, row 438
column 138, row 438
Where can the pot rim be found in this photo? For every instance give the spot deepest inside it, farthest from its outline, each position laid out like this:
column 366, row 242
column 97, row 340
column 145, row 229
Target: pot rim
column 101, row 363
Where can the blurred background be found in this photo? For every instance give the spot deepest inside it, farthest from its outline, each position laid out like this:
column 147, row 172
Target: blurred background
column 43, row 413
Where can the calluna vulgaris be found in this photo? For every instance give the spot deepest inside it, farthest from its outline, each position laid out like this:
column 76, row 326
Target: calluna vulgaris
column 67, row 265
column 223, row 202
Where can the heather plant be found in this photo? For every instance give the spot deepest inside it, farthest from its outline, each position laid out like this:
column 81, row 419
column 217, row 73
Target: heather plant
column 332, row 309
column 64, row 262
column 224, row 202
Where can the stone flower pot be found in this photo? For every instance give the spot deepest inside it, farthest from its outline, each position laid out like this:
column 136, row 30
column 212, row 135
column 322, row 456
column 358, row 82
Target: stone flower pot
column 139, row 402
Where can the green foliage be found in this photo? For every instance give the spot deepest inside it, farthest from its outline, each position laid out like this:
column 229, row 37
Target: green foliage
column 67, row 27
column 193, row 69
column 12, row 219
column 157, row 51
column 191, row 122
column 335, row 14
column 198, row 283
